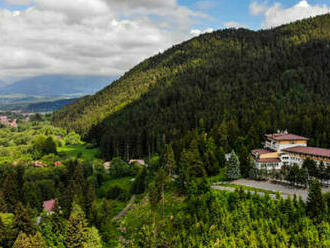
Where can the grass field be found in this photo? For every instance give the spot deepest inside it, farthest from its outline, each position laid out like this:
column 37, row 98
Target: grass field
column 74, row 150
column 124, row 183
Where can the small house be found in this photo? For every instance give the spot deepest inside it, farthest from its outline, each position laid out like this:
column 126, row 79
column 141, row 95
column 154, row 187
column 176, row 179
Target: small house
column 49, row 205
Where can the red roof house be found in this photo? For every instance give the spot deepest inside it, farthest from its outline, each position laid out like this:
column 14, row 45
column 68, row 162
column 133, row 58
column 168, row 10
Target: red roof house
column 49, row 205
column 57, row 163
column 39, row 164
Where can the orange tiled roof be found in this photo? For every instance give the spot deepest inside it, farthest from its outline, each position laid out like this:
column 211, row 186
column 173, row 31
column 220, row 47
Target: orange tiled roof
column 314, row 151
column 282, row 136
column 268, row 160
column 261, row 151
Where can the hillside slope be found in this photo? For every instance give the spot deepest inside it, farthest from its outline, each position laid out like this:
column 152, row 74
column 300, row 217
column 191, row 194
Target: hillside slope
column 234, row 84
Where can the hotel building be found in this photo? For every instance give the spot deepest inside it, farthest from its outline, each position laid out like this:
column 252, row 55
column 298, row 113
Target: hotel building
column 286, row 149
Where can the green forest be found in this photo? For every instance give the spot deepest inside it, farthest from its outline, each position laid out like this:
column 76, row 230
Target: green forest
column 191, row 114
column 168, row 203
column 237, row 85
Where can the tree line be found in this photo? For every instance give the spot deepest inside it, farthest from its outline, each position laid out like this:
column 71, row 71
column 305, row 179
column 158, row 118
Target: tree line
column 235, row 84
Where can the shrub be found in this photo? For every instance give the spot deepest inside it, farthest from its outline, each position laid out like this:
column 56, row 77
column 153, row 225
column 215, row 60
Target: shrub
column 43, row 145
column 117, row 193
column 119, row 168
column 73, row 139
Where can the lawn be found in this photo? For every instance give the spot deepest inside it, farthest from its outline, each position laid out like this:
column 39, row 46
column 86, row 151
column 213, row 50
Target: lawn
column 75, row 150
column 124, row 183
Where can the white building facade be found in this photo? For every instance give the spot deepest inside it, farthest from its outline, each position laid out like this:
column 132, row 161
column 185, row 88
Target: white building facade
column 287, row 149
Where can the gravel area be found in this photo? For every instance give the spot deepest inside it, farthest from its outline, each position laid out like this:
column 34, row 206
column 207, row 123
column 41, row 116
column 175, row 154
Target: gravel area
column 246, row 191
column 283, row 189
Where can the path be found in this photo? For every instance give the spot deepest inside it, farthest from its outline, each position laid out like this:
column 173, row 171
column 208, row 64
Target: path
column 124, row 211
column 284, row 190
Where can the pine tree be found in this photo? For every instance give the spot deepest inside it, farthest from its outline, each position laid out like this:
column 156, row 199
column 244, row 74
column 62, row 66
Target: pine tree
column 2, row 232
column 10, row 190
column 49, row 146
column 169, row 160
column 311, row 167
column 161, row 179
column 303, row 176
column 139, row 185
column 22, row 241
column 184, row 178
column 244, row 161
column 253, row 173
column 221, row 156
column 193, row 159
column 57, row 220
column 29, row 241
column 37, row 241
column 79, row 183
column 3, row 205
column 293, row 174
column 210, row 160
column 315, row 200
column 90, row 198
column 93, row 238
column 23, row 221
column 65, row 199
column 233, row 167
column 76, row 233
column 154, row 197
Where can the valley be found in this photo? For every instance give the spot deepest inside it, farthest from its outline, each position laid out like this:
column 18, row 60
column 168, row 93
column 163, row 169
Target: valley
column 48, row 93
column 220, row 141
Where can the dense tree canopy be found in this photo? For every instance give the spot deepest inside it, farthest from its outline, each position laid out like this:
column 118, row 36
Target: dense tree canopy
column 234, row 84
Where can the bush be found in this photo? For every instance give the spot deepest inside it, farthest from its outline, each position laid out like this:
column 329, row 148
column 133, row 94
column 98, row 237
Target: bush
column 49, row 159
column 43, row 145
column 117, row 193
column 119, row 169
column 73, row 139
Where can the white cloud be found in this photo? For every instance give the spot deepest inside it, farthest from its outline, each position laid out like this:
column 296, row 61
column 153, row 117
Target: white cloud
column 197, row 32
column 277, row 15
column 234, row 25
column 257, row 8
column 88, row 36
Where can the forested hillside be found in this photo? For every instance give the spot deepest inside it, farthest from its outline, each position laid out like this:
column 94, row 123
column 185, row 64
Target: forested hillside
column 234, row 84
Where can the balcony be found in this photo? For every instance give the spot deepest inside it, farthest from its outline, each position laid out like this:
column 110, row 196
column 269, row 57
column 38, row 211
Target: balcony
column 272, row 146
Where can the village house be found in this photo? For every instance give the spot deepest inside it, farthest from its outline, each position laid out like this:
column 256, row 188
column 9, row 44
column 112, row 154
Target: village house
column 138, row 161
column 283, row 148
column 5, row 121
column 49, row 205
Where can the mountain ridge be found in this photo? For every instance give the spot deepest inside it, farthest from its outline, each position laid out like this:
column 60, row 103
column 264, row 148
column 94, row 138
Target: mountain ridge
column 214, row 79
column 57, row 85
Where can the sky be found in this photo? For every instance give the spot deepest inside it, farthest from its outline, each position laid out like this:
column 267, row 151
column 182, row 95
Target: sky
column 108, row 37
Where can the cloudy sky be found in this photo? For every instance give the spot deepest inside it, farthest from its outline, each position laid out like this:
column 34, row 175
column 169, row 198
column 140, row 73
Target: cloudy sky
column 108, row 37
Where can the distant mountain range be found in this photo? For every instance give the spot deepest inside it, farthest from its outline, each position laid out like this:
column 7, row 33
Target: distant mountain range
column 57, row 85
